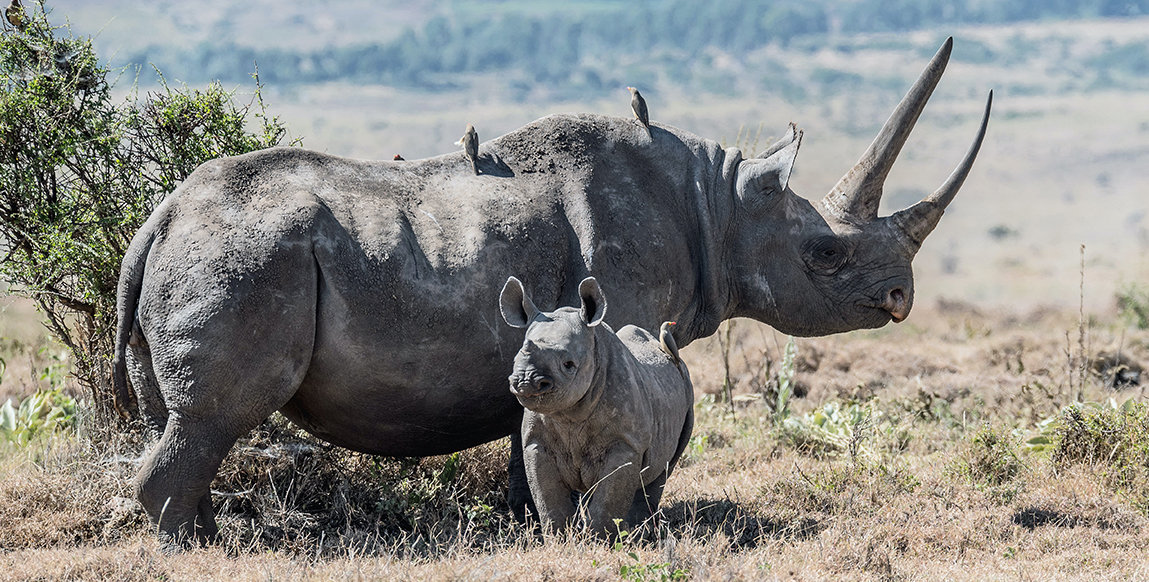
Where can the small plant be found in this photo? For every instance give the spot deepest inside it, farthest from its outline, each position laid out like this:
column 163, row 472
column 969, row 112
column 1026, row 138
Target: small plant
column 785, row 384
column 990, row 458
column 39, row 414
column 697, row 445
column 1133, row 303
column 640, row 572
column 834, row 429
column 1111, row 437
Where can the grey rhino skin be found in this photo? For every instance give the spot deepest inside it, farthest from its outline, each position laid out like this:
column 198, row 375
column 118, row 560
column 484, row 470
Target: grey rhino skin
column 355, row 296
column 607, row 414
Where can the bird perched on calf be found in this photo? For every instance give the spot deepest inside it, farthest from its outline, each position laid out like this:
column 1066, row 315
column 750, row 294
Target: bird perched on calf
column 606, row 415
column 470, row 143
column 638, row 106
column 666, row 340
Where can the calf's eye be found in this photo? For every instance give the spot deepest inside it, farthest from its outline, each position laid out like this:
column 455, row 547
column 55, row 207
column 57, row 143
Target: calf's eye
column 569, row 365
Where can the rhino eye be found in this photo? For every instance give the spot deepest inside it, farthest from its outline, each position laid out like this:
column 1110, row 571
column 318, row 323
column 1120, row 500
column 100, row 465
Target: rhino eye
column 569, row 365
column 825, row 254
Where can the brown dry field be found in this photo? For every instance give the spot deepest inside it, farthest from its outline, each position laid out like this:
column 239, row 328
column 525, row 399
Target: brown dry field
column 744, row 504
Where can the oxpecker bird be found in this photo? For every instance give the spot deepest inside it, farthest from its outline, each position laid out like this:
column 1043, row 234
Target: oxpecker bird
column 398, row 158
column 666, row 338
column 15, row 14
column 638, row 106
column 470, row 143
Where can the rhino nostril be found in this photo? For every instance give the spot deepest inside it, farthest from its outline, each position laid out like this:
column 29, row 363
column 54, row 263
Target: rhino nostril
column 897, row 304
column 897, row 296
column 544, row 385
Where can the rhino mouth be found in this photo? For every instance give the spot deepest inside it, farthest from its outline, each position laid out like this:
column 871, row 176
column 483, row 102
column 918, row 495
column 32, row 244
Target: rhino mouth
column 532, row 389
column 878, row 306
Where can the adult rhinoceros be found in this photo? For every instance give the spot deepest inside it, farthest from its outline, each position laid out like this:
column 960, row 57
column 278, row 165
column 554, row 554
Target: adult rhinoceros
column 361, row 298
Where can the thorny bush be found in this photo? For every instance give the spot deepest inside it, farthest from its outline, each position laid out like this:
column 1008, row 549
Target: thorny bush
column 81, row 171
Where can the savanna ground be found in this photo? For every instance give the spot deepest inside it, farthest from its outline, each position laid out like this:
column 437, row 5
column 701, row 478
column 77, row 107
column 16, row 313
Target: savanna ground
column 913, row 452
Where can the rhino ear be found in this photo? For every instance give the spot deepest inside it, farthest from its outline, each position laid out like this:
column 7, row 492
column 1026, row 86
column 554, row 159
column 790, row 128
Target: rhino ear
column 770, row 173
column 593, row 301
column 518, row 309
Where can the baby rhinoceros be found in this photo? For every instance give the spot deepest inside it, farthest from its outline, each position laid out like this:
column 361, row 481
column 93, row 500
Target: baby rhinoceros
column 606, row 415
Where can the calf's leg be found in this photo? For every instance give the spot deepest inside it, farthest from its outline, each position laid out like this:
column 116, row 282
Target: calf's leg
column 552, row 496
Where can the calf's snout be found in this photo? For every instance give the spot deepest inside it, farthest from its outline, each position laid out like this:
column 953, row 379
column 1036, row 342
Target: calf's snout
column 531, row 386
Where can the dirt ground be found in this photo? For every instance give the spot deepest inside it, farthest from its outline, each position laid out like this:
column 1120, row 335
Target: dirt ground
column 915, row 488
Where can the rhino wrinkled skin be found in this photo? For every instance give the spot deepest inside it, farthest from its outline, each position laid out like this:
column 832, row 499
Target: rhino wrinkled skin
column 607, row 414
column 355, row 296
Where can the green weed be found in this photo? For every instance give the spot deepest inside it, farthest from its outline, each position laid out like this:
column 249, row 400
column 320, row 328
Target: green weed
column 989, row 461
column 1113, row 437
column 38, row 414
column 637, row 570
column 659, row 572
column 1133, row 303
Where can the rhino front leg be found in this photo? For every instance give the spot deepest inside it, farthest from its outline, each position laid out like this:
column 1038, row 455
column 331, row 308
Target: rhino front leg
column 556, row 509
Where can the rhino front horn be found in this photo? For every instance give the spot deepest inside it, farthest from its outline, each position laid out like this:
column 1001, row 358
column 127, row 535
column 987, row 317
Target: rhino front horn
column 856, row 197
column 919, row 220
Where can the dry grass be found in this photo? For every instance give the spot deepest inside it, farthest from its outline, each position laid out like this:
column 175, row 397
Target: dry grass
column 945, row 488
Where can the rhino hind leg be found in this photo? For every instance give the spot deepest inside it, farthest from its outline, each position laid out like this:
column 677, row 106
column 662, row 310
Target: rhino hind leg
column 519, row 490
column 645, row 503
column 646, row 499
column 173, row 483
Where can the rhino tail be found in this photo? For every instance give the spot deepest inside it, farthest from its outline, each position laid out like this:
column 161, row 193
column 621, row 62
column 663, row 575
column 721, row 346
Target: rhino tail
column 127, row 299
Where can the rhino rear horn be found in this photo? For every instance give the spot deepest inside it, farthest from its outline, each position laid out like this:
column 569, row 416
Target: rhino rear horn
column 517, row 308
column 856, row 197
column 593, row 301
column 919, row 220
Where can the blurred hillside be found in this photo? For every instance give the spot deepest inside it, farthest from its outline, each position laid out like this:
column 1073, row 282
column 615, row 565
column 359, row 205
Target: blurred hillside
column 1062, row 165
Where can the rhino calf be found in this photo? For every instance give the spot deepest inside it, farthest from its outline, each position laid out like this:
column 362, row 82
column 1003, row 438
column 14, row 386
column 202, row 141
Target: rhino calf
column 606, row 415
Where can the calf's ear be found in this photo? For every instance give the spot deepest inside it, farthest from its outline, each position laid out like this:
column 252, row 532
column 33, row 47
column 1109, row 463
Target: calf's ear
column 518, row 310
column 593, row 301
column 763, row 177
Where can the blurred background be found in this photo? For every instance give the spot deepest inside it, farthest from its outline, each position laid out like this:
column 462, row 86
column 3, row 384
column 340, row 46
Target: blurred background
column 1065, row 163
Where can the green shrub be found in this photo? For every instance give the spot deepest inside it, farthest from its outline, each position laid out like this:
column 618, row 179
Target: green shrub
column 841, row 429
column 1113, row 438
column 80, row 172
column 990, row 458
column 1133, row 302
column 38, row 414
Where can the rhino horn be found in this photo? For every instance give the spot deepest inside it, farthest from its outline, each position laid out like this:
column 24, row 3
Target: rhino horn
column 856, row 196
column 920, row 219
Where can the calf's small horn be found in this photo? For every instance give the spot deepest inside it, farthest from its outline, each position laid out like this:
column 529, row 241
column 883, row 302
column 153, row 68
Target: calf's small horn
column 856, row 196
column 917, row 221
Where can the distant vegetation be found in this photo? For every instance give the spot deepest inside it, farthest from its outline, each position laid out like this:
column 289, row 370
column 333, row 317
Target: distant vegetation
column 571, row 45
